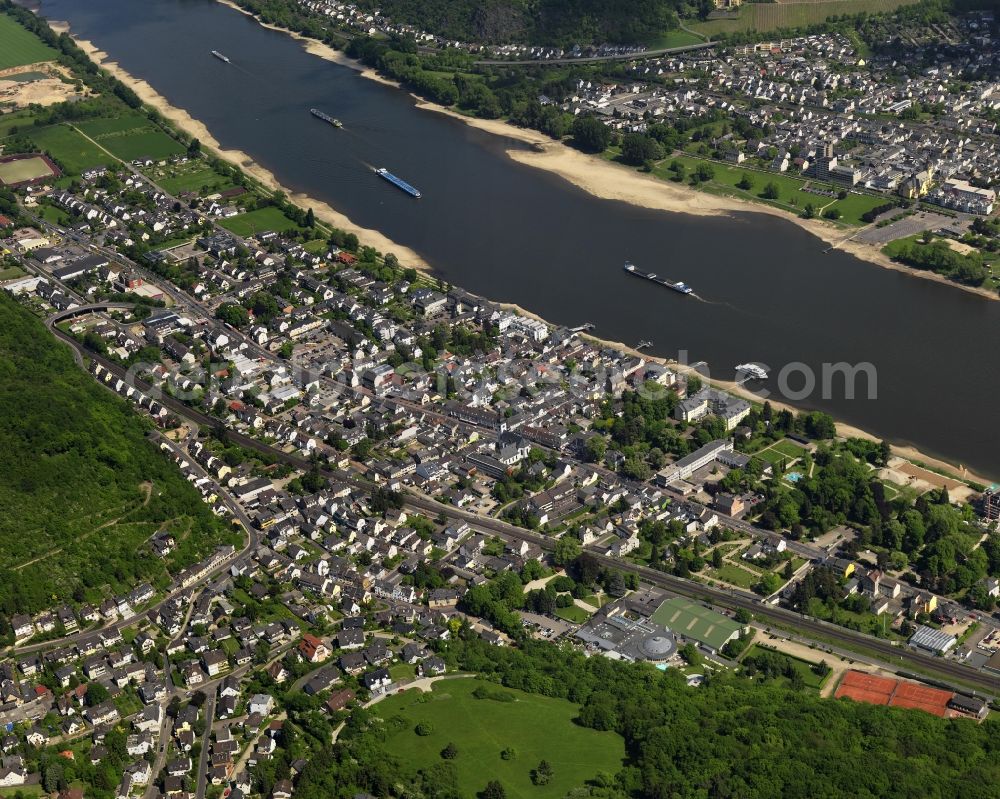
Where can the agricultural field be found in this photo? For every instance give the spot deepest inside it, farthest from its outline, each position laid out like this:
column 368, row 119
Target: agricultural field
column 763, row 17
column 793, row 195
column 258, row 221
column 19, row 47
column 68, row 148
column 536, row 727
column 131, row 136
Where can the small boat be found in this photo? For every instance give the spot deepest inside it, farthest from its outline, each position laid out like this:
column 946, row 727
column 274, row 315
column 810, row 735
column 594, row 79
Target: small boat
column 220, row 56
column 751, row 370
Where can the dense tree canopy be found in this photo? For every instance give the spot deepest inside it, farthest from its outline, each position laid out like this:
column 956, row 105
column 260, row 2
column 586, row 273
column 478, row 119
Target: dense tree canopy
column 80, row 485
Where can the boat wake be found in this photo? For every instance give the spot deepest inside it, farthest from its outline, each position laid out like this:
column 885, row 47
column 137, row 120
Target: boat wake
column 721, row 303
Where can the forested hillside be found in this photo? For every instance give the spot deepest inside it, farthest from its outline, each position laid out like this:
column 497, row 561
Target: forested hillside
column 550, row 22
column 81, row 487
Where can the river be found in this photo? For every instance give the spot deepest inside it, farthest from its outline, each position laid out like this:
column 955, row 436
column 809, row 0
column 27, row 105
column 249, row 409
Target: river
column 767, row 291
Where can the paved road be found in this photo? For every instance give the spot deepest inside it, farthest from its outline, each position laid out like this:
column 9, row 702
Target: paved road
column 163, row 746
column 205, row 746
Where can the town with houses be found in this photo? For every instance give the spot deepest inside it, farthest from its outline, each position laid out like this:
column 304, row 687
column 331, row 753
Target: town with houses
column 831, row 114
column 402, row 441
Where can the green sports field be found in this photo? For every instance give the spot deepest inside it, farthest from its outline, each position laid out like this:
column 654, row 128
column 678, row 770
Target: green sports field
column 24, row 169
column 536, row 727
column 19, row 47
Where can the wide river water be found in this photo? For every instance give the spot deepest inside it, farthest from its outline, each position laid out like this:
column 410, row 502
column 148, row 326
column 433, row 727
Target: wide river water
column 518, row 234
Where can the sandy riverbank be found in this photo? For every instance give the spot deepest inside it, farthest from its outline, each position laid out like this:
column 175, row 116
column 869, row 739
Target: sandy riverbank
column 611, row 181
column 193, row 127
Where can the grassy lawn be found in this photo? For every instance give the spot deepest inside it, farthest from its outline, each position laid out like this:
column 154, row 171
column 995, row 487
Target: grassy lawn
column 789, row 448
column 14, row 120
column 24, row 790
column 536, row 727
column 573, row 613
column 772, row 16
column 401, row 672
column 131, row 136
column 11, row 272
column 893, row 247
column 71, row 150
column 19, row 47
column 772, row 456
column 258, row 221
column 204, row 179
column 735, row 575
column 674, row 38
column 56, row 216
column 803, row 667
column 316, row 246
column 791, row 197
column 863, row 622
column 596, row 601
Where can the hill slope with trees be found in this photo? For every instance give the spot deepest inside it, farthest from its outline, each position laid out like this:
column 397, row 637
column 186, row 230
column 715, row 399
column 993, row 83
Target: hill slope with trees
column 548, row 22
column 81, row 486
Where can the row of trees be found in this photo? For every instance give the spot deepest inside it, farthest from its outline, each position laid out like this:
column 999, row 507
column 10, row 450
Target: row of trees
column 939, row 257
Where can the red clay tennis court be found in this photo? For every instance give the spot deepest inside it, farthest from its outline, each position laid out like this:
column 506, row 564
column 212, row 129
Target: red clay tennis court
column 862, row 687
column 932, row 700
